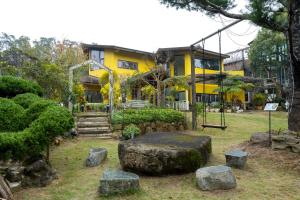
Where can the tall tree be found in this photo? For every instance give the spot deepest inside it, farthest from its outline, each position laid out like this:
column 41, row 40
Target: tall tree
column 278, row 15
column 268, row 54
column 45, row 60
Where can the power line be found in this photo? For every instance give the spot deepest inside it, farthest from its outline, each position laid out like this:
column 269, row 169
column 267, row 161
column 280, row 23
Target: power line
column 239, row 34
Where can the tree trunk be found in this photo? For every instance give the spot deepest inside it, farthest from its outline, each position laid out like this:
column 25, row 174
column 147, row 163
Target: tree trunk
column 294, row 57
column 158, row 93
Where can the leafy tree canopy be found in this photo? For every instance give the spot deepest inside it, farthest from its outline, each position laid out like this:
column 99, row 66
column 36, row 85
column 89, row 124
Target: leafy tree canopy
column 271, row 14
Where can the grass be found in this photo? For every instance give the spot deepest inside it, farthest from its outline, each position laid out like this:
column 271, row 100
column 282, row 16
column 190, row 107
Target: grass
column 261, row 179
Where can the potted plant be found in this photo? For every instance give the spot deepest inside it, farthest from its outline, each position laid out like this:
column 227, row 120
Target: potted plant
column 259, row 100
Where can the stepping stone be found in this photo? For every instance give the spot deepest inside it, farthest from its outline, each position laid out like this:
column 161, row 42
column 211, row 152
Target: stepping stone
column 117, row 181
column 236, row 158
column 96, row 156
column 215, row 178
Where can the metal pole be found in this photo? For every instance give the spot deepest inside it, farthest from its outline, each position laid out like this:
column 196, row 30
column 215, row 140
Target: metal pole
column 270, row 136
column 218, row 31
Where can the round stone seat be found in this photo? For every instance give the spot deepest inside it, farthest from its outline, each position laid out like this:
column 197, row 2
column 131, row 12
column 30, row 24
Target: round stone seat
column 164, row 153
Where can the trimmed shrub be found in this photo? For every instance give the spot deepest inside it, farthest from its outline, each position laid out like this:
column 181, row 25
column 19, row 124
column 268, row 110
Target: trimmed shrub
column 35, row 109
column 54, row 121
column 11, row 115
column 11, row 86
column 138, row 116
column 130, row 130
column 26, row 99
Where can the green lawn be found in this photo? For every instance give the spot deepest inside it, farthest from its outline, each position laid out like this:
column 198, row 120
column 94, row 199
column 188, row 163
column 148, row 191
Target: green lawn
column 262, row 179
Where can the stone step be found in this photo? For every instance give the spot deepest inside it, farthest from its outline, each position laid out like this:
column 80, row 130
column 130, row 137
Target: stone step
column 93, row 130
column 102, row 136
column 85, row 124
column 93, row 119
column 91, row 114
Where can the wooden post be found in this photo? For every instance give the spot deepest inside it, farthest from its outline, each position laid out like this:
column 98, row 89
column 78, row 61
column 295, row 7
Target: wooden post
column 5, row 191
column 194, row 111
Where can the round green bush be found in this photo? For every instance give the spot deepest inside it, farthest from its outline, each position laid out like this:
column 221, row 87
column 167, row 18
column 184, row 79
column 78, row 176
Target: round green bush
column 35, row 109
column 11, row 86
column 131, row 130
column 11, row 115
column 26, row 99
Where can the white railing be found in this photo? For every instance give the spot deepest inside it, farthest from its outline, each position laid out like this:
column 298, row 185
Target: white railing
column 179, row 105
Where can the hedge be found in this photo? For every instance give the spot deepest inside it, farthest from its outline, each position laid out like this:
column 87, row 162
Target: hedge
column 26, row 99
column 11, row 86
column 11, row 115
column 137, row 116
column 54, row 121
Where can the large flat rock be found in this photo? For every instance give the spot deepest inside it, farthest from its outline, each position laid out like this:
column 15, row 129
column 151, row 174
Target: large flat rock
column 164, row 153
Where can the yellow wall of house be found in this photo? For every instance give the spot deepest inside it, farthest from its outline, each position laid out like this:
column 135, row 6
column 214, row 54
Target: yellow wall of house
column 111, row 58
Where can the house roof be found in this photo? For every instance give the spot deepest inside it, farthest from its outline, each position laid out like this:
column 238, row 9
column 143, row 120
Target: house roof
column 117, row 48
column 89, row 80
column 188, row 48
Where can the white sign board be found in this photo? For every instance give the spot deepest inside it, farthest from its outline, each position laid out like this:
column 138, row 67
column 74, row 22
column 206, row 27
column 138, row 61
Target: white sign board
column 271, row 107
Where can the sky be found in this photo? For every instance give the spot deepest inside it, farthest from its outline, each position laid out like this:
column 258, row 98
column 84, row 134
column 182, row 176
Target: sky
column 138, row 24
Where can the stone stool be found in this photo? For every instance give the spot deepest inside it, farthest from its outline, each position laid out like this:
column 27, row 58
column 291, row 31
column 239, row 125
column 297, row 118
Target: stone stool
column 215, row 178
column 117, row 181
column 236, row 158
column 96, row 156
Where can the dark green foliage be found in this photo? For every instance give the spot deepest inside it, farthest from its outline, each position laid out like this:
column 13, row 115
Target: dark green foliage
column 26, row 99
column 32, row 141
column 130, row 130
column 12, row 145
column 11, row 86
column 259, row 99
column 138, row 116
column 10, row 115
column 36, row 109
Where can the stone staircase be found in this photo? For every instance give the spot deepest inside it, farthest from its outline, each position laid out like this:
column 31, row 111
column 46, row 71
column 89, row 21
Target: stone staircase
column 93, row 124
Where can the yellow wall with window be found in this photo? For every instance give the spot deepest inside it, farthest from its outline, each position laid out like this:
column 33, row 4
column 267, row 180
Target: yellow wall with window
column 111, row 58
column 209, row 88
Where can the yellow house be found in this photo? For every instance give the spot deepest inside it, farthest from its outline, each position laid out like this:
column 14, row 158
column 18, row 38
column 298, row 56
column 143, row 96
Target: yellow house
column 127, row 62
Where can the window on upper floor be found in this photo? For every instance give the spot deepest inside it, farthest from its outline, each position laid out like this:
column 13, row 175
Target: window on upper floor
column 97, row 55
column 212, row 63
column 127, row 65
